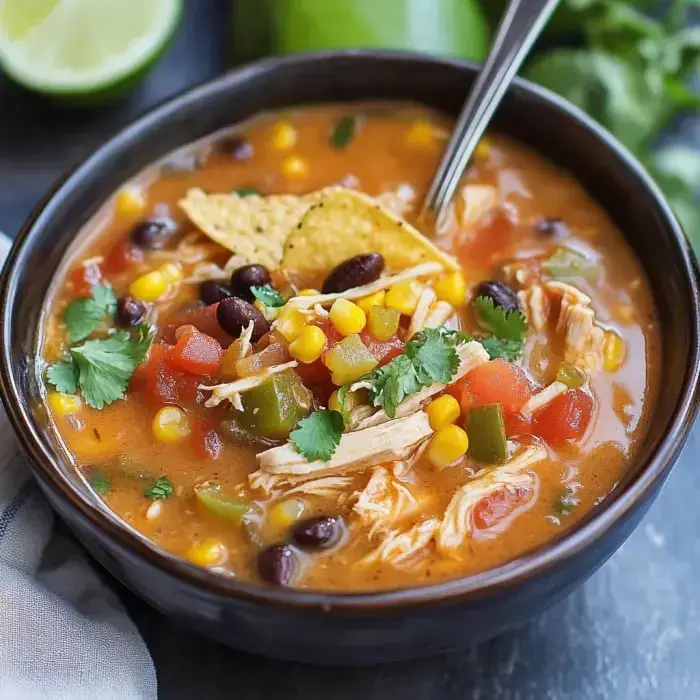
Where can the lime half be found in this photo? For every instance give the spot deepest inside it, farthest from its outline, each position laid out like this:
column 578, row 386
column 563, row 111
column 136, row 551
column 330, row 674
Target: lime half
column 82, row 47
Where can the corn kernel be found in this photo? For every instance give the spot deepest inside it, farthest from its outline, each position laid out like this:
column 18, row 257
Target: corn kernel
column 446, row 446
column 613, row 352
column 483, row 149
column 404, row 296
column 129, row 202
column 376, row 299
column 443, row 411
column 284, row 136
column 308, row 345
column 210, row 552
column 308, row 292
column 170, row 424
column 290, row 322
column 172, row 272
column 149, row 287
column 283, row 514
column 452, row 289
column 347, row 317
column 294, row 167
column 421, row 133
column 64, row 404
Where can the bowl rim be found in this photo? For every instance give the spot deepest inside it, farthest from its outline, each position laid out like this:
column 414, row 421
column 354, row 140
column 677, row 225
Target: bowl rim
column 593, row 526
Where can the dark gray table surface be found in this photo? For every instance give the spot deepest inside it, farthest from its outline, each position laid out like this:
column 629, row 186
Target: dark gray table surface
column 631, row 632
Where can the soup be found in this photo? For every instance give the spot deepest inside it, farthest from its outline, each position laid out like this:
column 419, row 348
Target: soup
column 266, row 361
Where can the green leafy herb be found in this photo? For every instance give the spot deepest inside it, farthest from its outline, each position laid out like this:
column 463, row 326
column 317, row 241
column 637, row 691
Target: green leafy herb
column 162, row 488
column 64, row 376
column 247, row 191
column 102, row 367
column 99, row 481
column 342, row 396
column 83, row 316
column 511, row 325
column 565, row 504
column 566, row 263
column 268, row 296
column 318, row 435
column 429, row 357
column 344, row 132
column 510, row 350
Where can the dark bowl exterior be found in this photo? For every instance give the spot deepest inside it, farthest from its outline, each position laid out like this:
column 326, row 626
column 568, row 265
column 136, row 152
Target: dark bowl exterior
column 375, row 627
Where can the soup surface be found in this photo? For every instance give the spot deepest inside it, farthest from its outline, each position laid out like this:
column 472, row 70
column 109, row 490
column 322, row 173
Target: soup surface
column 416, row 415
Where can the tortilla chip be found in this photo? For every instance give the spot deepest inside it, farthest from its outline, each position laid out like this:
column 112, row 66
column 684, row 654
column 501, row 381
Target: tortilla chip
column 346, row 223
column 255, row 227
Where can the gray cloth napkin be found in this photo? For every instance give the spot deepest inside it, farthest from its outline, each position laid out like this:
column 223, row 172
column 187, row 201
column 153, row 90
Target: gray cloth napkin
column 63, row 633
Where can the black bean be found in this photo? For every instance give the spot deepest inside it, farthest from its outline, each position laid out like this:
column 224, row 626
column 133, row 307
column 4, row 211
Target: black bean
column 354, row 272
column 501, row 294
column 234, row 315
column 320, row 532
column 152, row 234
column 552, row 228
column 277, row 564
column 237, row 147
column 246, row 277
column 211, row 292
column 130, row 312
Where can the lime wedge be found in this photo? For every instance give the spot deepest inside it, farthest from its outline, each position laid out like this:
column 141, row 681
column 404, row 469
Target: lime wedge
column 82, row 47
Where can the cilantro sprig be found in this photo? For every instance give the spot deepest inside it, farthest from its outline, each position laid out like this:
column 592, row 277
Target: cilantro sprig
column 268, row 296
column 317, row 436
column 508, row 329
column 101, row 368
column 83, row 316
column 161, row 489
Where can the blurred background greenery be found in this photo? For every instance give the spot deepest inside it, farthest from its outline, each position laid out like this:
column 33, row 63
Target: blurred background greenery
column 630, row 64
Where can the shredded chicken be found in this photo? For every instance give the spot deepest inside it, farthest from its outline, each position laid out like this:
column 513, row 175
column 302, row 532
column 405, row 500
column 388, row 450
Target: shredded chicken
column 423, row 270
column 362, row 448
column 542, row 398
column 583, row 337
column 384, row 500
column 425, row 303
column 204, row 271
column 439, row 315
column 401, row 549
column 231, row 391
column 399, row 201
column 326, row 487
column 193, row 248
column 471, row 355
column 457, row 524
column 478, row 202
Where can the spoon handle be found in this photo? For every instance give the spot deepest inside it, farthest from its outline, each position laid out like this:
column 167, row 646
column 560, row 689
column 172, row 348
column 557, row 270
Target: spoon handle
column 521, row 25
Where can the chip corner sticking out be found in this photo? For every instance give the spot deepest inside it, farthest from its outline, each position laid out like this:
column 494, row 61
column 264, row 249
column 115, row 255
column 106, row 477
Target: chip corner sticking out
column 345, row 223
column 253, row 226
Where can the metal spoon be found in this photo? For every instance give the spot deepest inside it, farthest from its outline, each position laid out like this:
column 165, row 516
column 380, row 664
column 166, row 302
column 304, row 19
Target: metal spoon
column 521, row 25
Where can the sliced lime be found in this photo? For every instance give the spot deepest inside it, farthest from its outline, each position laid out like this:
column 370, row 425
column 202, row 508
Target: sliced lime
column 82, row 47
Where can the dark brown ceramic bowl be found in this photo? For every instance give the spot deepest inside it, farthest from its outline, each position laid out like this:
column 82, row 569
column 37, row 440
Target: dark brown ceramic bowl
column 366, row 628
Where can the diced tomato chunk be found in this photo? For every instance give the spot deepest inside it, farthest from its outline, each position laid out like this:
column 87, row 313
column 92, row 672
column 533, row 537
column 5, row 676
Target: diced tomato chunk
column 497, row 506
column 84, row 278
column 163, row 382
column 124, row 254
column 206, row 440
column 564, row 418
column 517, row 424
column 204, row 319
column 384, row 351
column 497, row 381
column 197, row 353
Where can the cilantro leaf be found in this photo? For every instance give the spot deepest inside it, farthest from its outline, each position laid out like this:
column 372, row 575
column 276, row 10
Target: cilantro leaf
column 268, row 296
column 141, row 343
column 318, row 435
column 82, row 316
column 342, row 396
column 162, row 489
column 434, row 359
column 393, row 382
column 511, row 325
column 344, row 132
column 64, row 376
column 99, row 481
column 247, row 191
column 510, row 350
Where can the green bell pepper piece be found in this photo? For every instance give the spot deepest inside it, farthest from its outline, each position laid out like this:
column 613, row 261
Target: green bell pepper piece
column 273, row 408
column 209, row 496
column 487, row 433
